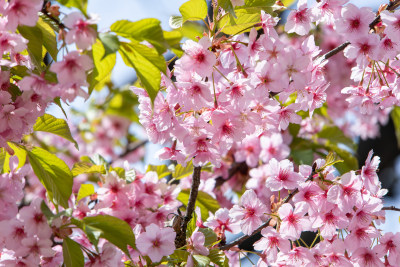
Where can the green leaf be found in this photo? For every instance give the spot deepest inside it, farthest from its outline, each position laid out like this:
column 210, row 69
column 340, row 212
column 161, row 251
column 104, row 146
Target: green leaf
column 57, row 101
column 335, row 135
column 19, row 152
column 86, row 167
column 120, row 171
column 244, row 22
column 49, row 38
column 143, row 30
column 147, row 63
column 396, row 121
column 35, row 41
column 201, row 261
column 84, row 191
column 349, row 161
column 191, row 226
column 194, row 10
column 179, row 255
column 228, row 7
column 182, row 172
column 53, row 173
column 79, row 4
column 123, row 104
column 175, row 22
column 3, row 155
column 305, row 156
column 218, row 257
column 161, row 170
column 46, row 211
column 50, row 124
column 103, row 67
column 113, row 229
column 331, row 159
column 173, row 39
column 97, row 159
column 204, row 201
column 72, row 253
column 110, row 43
column 210, row 236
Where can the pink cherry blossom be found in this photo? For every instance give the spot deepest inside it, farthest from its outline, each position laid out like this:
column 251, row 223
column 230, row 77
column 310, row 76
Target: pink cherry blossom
column 281, row 175
column 198, row 58
column 72, row 68
column 293, row 220
column 249, row 212
column 22, row 12
column 156, row 242
column 80, row 31
column 299, row 21
column 354, row 22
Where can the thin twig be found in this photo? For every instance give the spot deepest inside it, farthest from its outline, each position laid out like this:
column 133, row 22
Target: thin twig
column 391, row 208
column 180, row 239
column 335, row 51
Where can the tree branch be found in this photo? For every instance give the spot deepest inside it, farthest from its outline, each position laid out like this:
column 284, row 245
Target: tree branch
column 243, row 238
column 236, row 167
column 391, row 208
column 180, row 239
column 287, row 199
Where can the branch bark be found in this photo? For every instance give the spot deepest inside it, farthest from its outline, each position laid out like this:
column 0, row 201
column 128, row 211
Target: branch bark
column 391, row 208
column 180, row 239
column 243, row 238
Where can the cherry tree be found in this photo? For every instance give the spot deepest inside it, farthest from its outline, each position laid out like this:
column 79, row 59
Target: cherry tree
column 256, row 117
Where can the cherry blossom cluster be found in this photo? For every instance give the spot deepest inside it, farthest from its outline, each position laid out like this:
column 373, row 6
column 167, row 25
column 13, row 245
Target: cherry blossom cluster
column 24, row 98
column 344, row 211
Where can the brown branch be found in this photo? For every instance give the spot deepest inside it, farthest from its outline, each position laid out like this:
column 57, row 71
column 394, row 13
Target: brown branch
column 180, row 239
column 391, row 208
column 335, row 51
column 391, row 6
column 236, row 167
column 243, row 238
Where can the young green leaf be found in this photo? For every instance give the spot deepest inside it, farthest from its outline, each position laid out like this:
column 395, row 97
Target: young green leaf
column 147, row 63
column 210, row 236
column 50, row 124
column 103, row 67
column 194, row 10
column 182, row 172
column 53, row 173
column 396, row 121
column 110, row 43
column 113, row 229
column 35, row 41
column 161, row 170
column 143, row 30
column 84, row 191
column 72, row 253
column 85, row 167
column 218, row 257
column 49, row 38
column 204, row 201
